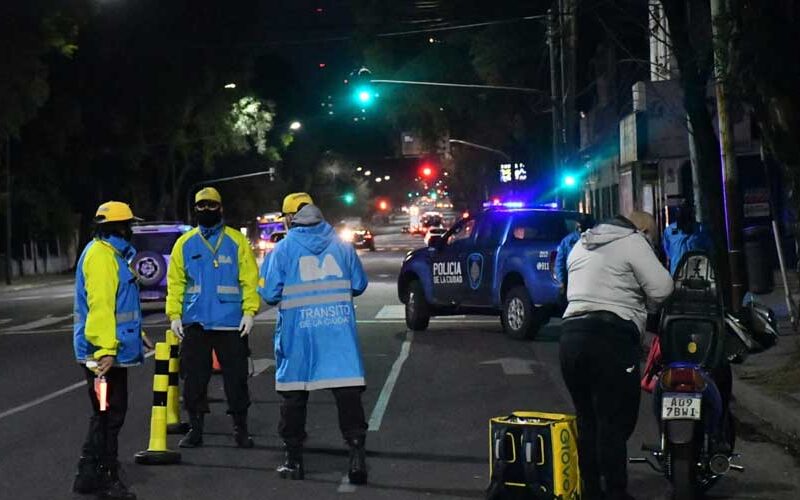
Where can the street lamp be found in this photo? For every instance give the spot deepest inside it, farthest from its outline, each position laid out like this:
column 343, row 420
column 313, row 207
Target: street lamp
column 230, row 85
column 368, row 173
column 378, row 179
column 386, row 177
column 295, row 126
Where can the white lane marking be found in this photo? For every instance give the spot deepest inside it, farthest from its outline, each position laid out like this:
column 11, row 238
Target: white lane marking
column 39, row 323
column 261, row 365
column 391, row 312
column 48, row 397
column 269, row 314
column 345, row 486
column 440, row 321
column 155, row 319
column 5, row 320
column 383, row 400
column 384, row 276
column 39, row 297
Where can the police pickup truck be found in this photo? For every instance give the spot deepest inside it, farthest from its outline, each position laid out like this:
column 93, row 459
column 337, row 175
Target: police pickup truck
column 498, row 262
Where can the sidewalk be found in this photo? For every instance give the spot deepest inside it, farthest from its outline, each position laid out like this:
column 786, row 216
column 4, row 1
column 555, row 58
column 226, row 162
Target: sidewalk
column 37, row 281
column 767, row 385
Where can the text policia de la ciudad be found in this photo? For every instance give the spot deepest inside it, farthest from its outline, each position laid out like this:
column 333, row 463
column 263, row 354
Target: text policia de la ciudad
column 445, row 273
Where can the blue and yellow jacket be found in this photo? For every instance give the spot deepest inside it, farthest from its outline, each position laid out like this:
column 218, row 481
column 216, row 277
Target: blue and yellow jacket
column 212, row 278
column 107, row 311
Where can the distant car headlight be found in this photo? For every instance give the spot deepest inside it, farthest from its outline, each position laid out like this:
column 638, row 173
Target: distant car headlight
column 346, row 235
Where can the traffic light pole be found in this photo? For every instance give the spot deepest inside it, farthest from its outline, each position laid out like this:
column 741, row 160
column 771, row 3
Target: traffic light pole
column 462, row 86
column 194, row 186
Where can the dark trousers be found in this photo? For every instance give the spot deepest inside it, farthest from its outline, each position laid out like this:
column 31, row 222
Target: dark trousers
column 292, row 425
column 232, row 353
column 102, row 440
column 600, row 356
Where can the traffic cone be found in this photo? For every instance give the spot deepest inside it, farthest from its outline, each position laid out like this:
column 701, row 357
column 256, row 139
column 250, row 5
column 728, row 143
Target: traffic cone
column 215, row 366
column 157, row 453
column 174, row 424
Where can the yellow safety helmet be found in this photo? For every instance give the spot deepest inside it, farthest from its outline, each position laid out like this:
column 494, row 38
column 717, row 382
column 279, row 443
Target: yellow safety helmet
column 114, row 211
column 292, row 202
column 208, row 194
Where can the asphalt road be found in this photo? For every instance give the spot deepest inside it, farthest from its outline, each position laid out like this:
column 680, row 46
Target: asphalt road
column 429, row 399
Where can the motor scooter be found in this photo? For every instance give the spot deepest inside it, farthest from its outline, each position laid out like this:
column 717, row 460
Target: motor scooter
column 695, row 447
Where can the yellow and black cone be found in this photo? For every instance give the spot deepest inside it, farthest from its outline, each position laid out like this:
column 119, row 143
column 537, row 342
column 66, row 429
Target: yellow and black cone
column 157, row 453
column 174, row 424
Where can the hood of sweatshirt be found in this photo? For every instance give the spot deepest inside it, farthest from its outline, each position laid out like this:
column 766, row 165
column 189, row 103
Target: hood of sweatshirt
column 310, row 230
column 607, row 232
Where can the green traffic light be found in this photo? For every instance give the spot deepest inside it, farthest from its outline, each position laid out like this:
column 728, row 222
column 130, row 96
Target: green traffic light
column 569, row 180
column 349, row 198
column 364, row 95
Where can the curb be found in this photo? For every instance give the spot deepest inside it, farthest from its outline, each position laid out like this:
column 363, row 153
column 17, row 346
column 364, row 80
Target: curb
column 33, row 286
column 776, row 420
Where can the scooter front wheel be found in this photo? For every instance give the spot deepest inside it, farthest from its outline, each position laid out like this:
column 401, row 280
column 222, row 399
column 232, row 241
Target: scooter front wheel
column 684, row 472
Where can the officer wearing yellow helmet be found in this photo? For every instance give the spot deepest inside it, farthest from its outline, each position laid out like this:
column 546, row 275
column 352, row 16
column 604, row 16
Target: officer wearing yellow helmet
column 211, row 304
column 106, row 339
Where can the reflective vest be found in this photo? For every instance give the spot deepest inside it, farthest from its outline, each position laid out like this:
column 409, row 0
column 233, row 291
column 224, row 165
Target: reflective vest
column 212, row 282
column 314, row 276
column 107, row 314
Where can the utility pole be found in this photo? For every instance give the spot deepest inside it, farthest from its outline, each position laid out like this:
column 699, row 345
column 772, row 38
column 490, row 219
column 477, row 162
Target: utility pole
column 8, row 209
column 555, row 99
column 569, row 41
column 730, row 177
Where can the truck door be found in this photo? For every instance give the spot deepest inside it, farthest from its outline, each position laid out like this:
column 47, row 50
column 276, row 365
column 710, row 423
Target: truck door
column 448, row 264
column 481, row 260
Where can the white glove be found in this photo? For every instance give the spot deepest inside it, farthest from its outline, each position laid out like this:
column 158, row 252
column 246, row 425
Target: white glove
column 246, row 325
column 177, row 327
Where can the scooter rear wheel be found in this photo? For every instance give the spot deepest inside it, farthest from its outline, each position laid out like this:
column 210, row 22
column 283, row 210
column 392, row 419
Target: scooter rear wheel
column 684, row 472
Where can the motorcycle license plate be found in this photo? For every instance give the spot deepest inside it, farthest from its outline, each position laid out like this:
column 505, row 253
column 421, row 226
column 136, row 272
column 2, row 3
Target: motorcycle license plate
column 675, row 406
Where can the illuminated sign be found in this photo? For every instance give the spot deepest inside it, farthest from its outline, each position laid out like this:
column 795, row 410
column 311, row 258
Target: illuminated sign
column 513, row 172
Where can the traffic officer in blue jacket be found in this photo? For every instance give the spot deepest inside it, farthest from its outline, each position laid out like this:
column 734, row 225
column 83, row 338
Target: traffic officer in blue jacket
column 685, row 235
column 583, row 223
column 107, row 338
column 314, row 276
column 211, row 304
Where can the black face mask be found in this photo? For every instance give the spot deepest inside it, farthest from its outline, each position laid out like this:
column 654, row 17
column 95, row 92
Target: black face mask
column 208, row 218
column 127, row 233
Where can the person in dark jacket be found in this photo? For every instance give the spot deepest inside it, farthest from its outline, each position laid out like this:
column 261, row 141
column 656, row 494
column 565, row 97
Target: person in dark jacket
column 613, row 274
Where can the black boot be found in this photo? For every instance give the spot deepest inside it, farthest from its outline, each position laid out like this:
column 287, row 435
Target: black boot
column 357, row 473
column 194, row 438
column 240, row 434
column 87, row 480
column 113, row 488
column 292, row 467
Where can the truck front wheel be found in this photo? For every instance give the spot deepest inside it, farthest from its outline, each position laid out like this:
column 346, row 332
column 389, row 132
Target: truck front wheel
column 418, row 312
column 519, row 316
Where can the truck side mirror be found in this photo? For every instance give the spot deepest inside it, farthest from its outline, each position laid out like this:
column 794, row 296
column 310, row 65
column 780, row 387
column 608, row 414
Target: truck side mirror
column 435, row 241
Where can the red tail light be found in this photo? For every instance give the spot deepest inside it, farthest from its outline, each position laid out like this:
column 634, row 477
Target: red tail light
column 682, row 380
column 552, row 261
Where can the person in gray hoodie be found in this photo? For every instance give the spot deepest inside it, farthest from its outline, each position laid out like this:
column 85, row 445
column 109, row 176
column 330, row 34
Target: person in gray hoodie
column 614, row 277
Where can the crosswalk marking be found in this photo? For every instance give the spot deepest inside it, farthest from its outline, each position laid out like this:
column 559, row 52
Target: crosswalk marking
column 391, row 312
column 39, row 323
column 269, row 314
